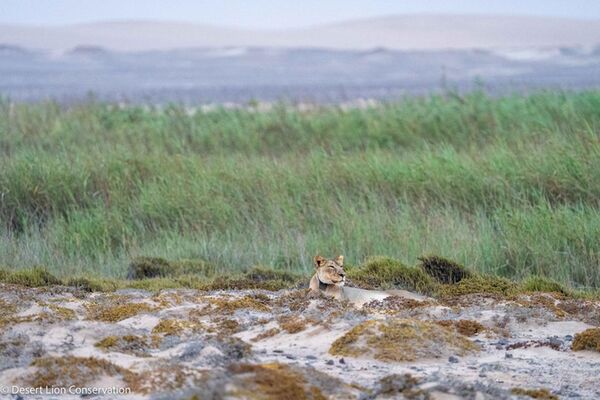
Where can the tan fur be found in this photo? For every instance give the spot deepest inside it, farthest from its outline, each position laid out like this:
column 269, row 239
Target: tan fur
column 329, row 276
column 329, row 279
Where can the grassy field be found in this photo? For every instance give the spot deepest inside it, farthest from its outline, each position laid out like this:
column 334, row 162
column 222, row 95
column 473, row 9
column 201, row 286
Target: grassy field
column 508, row 186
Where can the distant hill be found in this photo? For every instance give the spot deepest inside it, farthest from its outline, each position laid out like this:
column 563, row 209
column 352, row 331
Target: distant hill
column 402, row 32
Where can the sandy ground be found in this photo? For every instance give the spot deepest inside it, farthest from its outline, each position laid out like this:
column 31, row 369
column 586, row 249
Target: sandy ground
column 259, row 344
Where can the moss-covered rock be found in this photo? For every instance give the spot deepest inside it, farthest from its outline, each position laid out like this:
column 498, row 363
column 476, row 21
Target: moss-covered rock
column 401, row 340
column 443, row 270
column 387, row 273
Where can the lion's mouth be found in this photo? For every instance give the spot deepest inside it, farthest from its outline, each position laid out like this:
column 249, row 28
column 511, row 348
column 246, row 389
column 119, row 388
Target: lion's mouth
column 340, row 282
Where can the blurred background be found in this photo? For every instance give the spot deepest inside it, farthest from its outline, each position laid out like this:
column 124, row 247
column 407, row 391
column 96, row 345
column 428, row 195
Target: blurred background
column 315, row 51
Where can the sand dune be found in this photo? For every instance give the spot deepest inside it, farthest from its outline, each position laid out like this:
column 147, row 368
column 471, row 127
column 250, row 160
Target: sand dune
column 394, row 32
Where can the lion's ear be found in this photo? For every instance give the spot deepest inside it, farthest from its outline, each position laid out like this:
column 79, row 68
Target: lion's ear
column 340, row 260
column 318, row 261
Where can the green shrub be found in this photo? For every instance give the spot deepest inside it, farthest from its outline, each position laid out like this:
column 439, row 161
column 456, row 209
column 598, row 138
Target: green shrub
column 93, row 284
column 541, row 284
column 256, row 278
column 387, row 273
column 34, row 277
column 443, row 270
column 480, row 284
column 156, row 267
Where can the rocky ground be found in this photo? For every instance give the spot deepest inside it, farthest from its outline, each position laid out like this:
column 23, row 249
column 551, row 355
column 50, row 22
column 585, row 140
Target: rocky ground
column 256, row 344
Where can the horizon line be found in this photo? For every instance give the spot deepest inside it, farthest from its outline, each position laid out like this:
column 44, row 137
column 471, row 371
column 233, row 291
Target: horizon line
column 295, row 27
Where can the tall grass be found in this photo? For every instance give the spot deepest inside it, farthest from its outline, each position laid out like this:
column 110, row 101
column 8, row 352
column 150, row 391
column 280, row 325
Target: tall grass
column 507, row 185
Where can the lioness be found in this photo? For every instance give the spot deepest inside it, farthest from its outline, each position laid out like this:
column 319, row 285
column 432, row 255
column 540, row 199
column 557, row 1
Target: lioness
column 330, row 277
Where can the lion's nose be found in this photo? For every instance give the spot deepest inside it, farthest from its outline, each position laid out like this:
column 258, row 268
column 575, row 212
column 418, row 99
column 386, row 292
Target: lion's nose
column 342, row 274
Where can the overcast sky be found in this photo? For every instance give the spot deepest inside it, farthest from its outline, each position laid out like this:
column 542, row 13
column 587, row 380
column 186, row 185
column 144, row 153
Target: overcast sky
column 272, row 13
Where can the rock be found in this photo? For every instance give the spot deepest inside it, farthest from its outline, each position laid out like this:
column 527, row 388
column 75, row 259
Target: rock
column 453, row 359
column 211, row 351
column 555, row 342
column 342, row 361
column 329, row 362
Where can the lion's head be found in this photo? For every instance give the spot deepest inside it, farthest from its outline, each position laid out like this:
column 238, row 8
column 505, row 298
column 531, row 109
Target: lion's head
column 330, row 272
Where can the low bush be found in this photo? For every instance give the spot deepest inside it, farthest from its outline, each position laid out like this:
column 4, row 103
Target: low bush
column 387, row 273
column 443, row 270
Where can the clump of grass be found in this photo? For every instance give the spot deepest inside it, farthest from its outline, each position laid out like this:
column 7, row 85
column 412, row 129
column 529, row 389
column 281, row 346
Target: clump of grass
column 274, row 381
column 401, row 340
column 587, row 340
column 116, row 312
column 163, row 378
column 63, row 313
column 443, row 270
column 175, row 327
column 226, row 326
column 156, row 267
column 266, row 334
column 3, row 275
column 34, row 277
column 541, row 284
column 479, row 284
column 225, row 306
column 465, row 327
column 387, row 273
column 107, row 342
column 41, row 277
column 93, row 284
column 148, row 267
column 295, row 300
column 396, row 384
column 69, row 370
column 542, row 394
column 292, row 323
column 394, row 304
column 255, row 278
